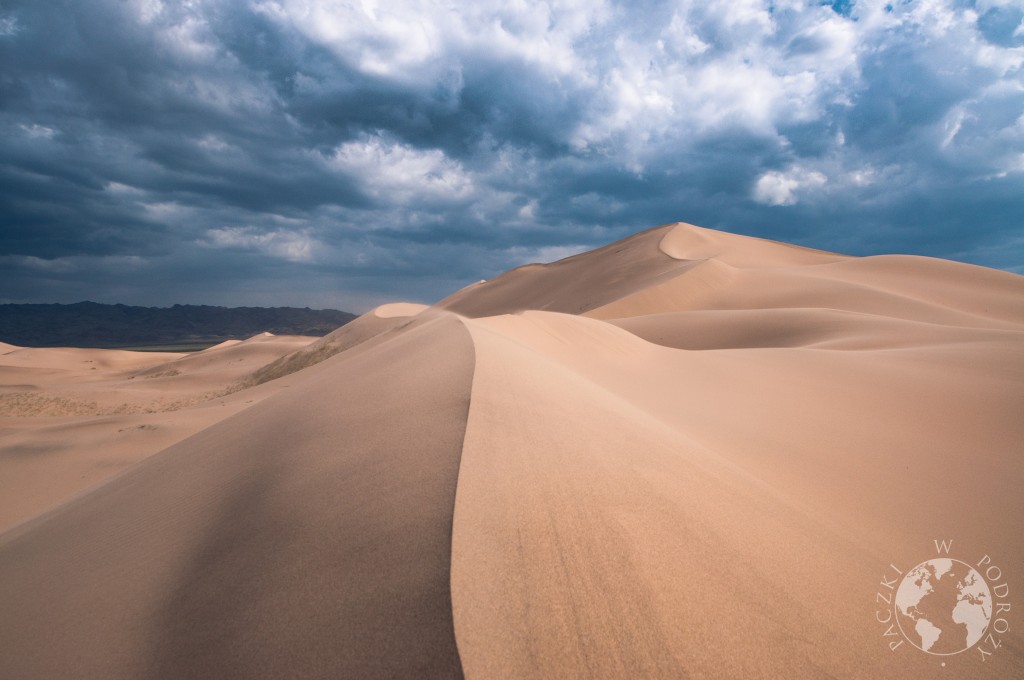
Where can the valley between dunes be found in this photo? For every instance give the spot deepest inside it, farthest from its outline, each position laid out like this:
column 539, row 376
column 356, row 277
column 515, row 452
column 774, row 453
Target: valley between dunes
column 686, row 454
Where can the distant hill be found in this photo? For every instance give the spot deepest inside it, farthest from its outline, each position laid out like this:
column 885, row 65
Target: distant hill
column 90, row 324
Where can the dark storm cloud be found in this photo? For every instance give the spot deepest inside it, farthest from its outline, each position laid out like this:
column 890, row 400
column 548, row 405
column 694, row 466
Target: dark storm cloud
column 298, row 152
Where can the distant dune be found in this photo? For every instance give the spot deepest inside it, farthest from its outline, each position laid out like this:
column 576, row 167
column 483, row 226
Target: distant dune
column 685, row 454
column 90, row 324
column 72, row 418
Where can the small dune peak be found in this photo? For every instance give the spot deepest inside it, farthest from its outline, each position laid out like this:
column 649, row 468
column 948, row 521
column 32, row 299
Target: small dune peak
column 398, row 309
column 688, row 242
column 222, row 345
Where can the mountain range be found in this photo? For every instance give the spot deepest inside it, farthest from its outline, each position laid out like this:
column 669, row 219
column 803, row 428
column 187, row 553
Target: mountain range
column 91, row 324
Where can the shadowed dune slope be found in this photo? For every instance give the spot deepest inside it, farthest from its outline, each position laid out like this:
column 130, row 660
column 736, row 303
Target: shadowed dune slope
column 235, row 357
column 591, row 281
column 375, row 324
column 308, row 536
column 682, row 267
column 742, row 273
column 686, row 454
column 576, row 284
column 801, row 327
column 71, row 418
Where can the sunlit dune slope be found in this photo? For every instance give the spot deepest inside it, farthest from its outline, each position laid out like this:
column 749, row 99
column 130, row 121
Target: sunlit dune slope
column 686, row 454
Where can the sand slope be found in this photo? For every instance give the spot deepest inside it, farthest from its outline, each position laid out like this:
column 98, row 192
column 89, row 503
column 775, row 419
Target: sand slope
column 306, row 537
column 364, row 331
column 686, row 454
column 630, row 510
column 576, row 284
column 71, row 418
column 712, row 481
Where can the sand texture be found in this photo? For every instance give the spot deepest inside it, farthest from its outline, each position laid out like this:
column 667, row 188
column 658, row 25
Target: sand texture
column 685, row 454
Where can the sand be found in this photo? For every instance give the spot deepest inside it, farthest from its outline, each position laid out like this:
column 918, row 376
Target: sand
column 72, row 418
column 308, row 536
column 396, row 309
column 686, row 454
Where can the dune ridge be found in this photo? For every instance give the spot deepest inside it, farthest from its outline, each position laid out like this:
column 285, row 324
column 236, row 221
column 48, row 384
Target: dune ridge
column 610, row 456
column 268, row 545
column 685, row 454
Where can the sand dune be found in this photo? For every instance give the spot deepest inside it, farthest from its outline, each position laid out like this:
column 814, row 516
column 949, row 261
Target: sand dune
column 71, row 418
column 611, row 456
column 378, row 323
column 291, row 540
column 397, row 309
column 686, row 454
column 801, row 327
column 576, row 284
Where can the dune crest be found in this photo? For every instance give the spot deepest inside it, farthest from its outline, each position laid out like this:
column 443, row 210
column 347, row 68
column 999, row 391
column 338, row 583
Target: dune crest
column 290, row 540
column 685, row 454
column 396, row 309
column 365, row 330
column 634, row 471
column 689, row 242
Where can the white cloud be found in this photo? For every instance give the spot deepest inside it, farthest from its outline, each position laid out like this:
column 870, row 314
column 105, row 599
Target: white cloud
column 719, row 66
column 213, row 143
column 528, row 211
column 294, row 246
column 8, row 26
column 952, row 126
column 147, row 10
column 36, row 131
column 783, row 188
column 123, row 190
column 706, row 67
column 409, row 40
column 400, row 172
column 164, row 210
column 863, row 177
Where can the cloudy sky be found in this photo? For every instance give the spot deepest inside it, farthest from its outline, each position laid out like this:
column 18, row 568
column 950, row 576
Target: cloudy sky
column 344, row 153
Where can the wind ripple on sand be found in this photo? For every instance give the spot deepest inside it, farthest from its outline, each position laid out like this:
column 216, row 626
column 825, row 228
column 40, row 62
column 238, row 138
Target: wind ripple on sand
column 685, row 454
column 308, row 536
column 630, row 510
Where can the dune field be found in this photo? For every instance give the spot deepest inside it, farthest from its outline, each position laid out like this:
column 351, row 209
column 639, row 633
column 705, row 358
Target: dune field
column 686, row 454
